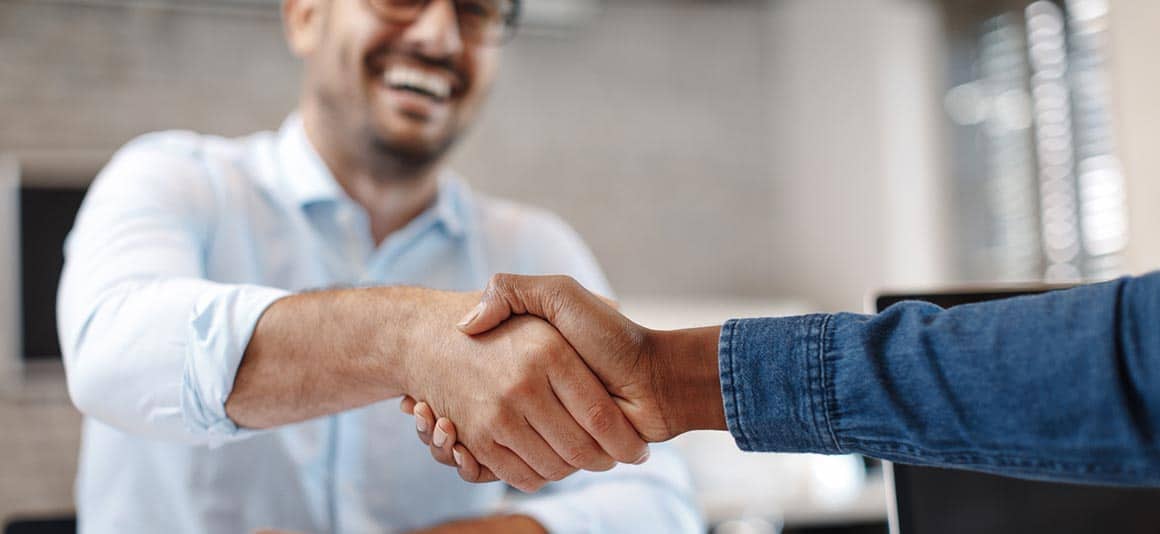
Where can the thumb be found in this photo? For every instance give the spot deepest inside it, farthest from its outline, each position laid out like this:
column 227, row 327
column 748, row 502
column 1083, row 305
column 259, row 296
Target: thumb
column 494, row 307
column 510, row 294
column 488, row 314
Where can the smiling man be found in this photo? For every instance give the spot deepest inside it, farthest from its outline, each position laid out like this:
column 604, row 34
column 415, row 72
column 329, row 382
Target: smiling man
column 223, row 391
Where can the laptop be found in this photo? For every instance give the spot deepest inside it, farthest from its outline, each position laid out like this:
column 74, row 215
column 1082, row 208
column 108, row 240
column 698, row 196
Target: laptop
column 926, row 500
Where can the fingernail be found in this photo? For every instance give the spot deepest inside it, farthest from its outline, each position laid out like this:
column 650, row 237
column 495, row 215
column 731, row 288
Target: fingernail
column 458, row 457
column 643, row 458
column 420, row 424
column 471, row 315
column 439, row 438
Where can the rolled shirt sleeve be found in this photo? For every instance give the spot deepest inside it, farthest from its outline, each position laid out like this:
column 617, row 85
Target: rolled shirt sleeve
column 150, row 345
column 1059, row 386
column 220, row 327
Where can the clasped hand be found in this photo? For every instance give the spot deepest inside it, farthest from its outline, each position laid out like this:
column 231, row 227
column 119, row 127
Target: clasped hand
column 554, row 380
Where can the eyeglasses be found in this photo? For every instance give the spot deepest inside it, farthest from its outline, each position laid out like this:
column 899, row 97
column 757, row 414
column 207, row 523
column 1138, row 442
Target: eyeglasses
column 487, row 22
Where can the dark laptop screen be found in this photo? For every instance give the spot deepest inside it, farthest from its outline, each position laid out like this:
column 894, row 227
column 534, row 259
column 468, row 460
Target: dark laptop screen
column 943, row 501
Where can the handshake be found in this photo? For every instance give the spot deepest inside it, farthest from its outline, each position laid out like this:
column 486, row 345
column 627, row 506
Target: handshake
column 545, row 379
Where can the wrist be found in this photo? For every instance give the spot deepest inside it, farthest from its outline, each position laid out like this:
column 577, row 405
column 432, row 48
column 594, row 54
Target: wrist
column 688, row 379
column 425, row 331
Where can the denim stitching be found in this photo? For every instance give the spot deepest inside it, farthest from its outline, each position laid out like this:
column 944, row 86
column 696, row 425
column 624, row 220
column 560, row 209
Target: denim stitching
column 803, row 340
column 739, row 386
column 827, row 392
column 730, row 334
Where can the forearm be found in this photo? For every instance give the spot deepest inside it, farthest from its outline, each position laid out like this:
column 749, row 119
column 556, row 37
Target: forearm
column 318, row 353
column 497, row 524
column 1062, row 386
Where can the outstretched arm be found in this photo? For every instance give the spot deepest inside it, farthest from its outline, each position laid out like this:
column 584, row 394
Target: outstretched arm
column 1063, row 386
column 155, row 347
column 522, row 396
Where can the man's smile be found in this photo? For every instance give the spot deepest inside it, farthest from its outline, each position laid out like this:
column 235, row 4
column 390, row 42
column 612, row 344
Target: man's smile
column 404, row 78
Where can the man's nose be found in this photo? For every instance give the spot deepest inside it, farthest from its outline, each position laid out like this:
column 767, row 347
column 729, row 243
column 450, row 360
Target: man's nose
column 435, row 33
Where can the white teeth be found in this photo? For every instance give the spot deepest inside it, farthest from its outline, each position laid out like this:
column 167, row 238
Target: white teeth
column 437, row 86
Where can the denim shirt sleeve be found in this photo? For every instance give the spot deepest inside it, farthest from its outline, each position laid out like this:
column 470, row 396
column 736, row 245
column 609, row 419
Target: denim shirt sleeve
column 1060, row 386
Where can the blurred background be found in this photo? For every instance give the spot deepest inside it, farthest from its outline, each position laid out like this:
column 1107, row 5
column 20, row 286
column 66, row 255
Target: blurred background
column 722, row 158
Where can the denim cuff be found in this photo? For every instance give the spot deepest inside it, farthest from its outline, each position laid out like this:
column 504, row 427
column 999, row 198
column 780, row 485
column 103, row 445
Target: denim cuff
column 773, row 384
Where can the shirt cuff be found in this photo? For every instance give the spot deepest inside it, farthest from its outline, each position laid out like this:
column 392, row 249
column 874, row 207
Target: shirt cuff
column 557, row 514
column 773, row 384
column 220, row 329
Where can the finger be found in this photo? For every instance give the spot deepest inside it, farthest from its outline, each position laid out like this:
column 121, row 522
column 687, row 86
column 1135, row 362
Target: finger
column 570, row 441
column 590, row 405
column 424, row 422
column 535, row 451
column 509, row 467
column 508, row 295
column 442, row 441
column 407, row 404
column 488, row 314
column 542, row 296
column 469, row 468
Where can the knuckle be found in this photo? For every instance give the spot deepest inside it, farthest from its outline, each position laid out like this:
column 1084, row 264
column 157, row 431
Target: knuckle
column 546, row 353
column 602, row 419
column 566, row 282
column 501, row 426
column 517, row 393
column 524, row 481
column 500, row 284
column 581, row 458
column 497, row 280
column 444, row 459
column 483, row 451
column 603, row 463
column 560, row 473
column 547, row 346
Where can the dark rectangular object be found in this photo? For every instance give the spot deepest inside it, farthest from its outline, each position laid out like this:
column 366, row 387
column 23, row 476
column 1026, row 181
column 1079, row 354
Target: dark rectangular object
column 945, row 501
column 46, row 216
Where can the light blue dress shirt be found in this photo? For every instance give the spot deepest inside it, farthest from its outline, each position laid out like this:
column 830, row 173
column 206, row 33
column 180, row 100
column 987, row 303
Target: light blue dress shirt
column 181, row 244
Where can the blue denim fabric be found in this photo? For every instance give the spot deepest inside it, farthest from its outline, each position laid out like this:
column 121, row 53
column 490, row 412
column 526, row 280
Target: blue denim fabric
column 1060, row 386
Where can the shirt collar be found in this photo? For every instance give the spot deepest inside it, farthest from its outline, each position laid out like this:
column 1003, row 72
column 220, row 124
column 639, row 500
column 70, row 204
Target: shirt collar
column 305, row 176
column 451, row 203
column 308, row 180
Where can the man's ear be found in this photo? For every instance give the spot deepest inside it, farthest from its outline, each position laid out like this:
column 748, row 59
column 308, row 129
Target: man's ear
column 302, row 22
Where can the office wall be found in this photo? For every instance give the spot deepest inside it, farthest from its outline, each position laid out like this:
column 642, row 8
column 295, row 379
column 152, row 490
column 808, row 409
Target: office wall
column 82, row 78
column 757, row 149
column 856, row 148
column 743, row 148
column 9, row 275
column 1135, row 86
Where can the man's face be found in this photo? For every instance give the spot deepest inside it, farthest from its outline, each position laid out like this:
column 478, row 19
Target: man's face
column 401, row 90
